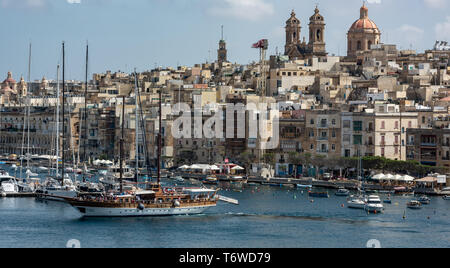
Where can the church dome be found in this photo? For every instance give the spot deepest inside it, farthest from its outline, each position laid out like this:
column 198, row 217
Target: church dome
column 9, row 79
column 364, row 24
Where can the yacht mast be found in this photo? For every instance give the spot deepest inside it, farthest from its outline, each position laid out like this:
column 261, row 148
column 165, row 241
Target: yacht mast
column 28, row 115
column 63, row 114
column 121, row 144
column 85, row 113
column 136, row 124
column 160, row 136
column 57, row 121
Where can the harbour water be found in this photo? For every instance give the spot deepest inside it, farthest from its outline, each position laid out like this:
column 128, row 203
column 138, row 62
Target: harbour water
column 266, row 217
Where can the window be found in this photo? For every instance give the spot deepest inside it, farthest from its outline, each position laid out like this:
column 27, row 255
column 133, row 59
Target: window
column 333, row 147
column 382, row 152
column 357, row 126
column 346, row 138
column 347, row 123
column 409, row 124
column 312, row 122
column 358, row 45
column 396, row 125
column 357, row 139
column 383, row 125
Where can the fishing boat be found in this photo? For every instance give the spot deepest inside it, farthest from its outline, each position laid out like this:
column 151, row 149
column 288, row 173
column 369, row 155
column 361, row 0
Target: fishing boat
column 319, row 194
column 373, row 204
column 342, row 192
column 424, row 200
column 414, row 204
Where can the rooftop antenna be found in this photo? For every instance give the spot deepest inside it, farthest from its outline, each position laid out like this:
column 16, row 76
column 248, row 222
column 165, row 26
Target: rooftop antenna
column 222, row 32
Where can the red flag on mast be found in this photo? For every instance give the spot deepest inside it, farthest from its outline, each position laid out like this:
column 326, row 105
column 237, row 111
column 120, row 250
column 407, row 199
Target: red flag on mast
column 263, row 43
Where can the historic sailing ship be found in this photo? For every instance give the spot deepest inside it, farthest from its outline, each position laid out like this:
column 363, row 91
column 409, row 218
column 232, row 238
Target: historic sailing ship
column 153, row 201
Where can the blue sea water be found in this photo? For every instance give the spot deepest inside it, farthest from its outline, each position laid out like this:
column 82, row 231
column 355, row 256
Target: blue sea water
column 267, row 217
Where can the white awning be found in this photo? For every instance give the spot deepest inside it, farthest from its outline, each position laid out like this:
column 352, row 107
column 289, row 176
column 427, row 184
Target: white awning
column 144, row 192
column 199, row 190
column 238, row 168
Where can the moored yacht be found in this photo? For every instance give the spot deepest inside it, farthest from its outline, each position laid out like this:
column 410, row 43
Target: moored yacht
column 52, row 190
column 342, row 192
column 356, row 202
column 424, row 200
column 374, row 204
column 8, row 184
column 414, row 204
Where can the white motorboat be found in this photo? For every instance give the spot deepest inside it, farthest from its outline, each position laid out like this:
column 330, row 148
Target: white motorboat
column 8, row 184
column 374, row 204
column 447, row 197
column 414, row 204
column 178, row 179
column 424, row 200
column 302, row 186
column 9, row 187
column 356, row 202
column 342, row 192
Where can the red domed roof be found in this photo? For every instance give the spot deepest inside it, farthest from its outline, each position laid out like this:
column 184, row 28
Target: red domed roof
column 9, row 79
column 364, row 24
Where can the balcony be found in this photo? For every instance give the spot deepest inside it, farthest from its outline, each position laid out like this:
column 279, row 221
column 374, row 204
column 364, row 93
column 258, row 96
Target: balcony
column 322, row 138
column 426, row 144
column 428, row 157
column 322, row 126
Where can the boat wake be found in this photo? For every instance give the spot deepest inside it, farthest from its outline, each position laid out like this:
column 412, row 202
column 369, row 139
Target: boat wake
column 295, row 217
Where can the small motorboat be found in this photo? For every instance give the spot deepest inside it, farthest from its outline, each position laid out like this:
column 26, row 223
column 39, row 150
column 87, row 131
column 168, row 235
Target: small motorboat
column 178, row 179
column 302, row 186
column 342, row 192
column 210, row 180
column 319, row 194
column 447, row 197
column 424, row 200
column 387, row 201
column 374, row 205
column 414, row 204
column 356, row 202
